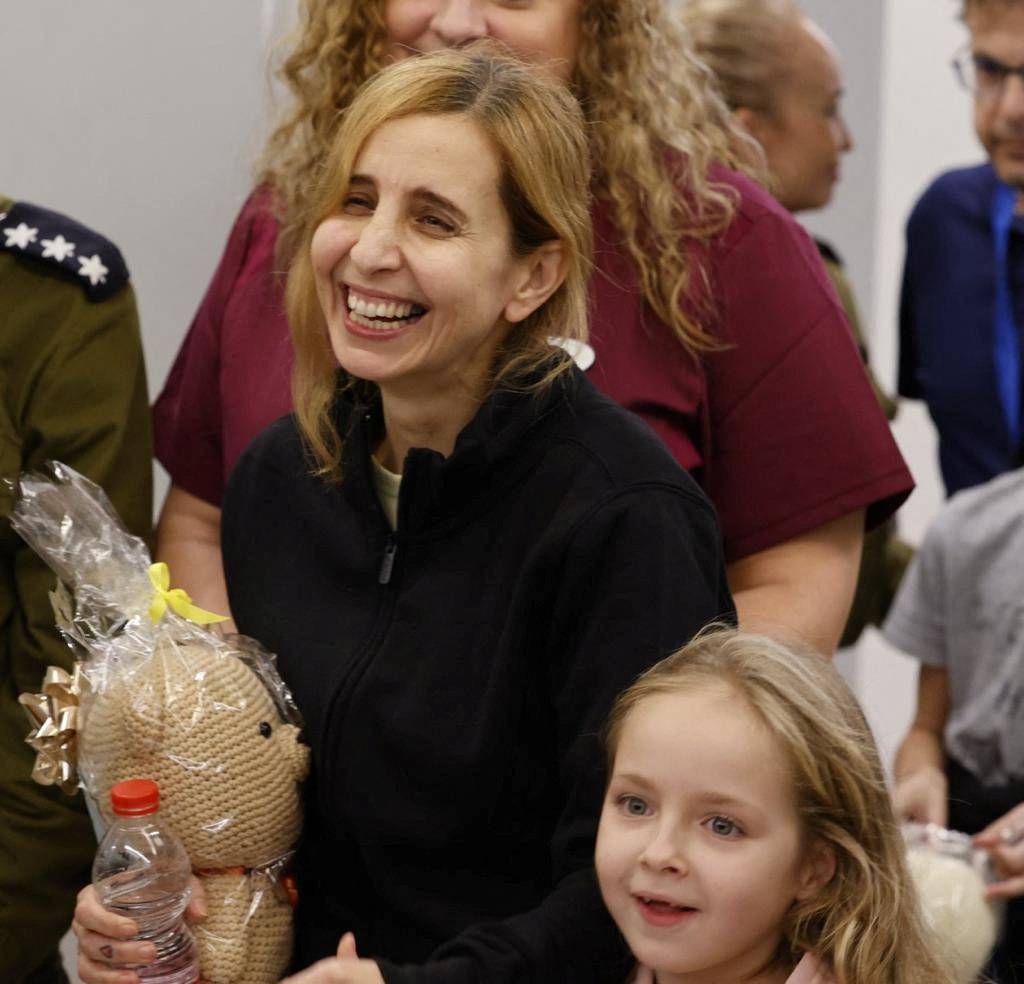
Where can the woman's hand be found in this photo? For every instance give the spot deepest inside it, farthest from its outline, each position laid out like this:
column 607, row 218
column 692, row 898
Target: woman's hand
column 345, row 968
column 1004, row 841
column 922, row 796
column 105, row 939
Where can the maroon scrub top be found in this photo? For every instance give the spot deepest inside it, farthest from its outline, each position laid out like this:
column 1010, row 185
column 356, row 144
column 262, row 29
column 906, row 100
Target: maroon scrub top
column 779, row 425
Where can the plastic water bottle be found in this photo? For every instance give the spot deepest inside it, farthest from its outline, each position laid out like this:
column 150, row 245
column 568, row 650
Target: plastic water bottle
column 141, row 871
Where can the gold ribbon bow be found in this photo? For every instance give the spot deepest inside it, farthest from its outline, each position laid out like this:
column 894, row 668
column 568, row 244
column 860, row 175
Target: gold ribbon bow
column 54, row 737
column 177, row 600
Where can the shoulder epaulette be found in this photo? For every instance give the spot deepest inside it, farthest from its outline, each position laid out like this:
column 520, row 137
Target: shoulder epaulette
column 54, row 239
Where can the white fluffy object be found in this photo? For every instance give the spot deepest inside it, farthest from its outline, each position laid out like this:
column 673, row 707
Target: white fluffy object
column 953, row 900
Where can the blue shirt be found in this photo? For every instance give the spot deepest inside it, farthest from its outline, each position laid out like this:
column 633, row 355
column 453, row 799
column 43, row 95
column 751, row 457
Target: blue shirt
column 947, row 323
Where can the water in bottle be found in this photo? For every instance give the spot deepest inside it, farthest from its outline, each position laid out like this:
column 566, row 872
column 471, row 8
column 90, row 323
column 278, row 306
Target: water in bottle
column 141, row 871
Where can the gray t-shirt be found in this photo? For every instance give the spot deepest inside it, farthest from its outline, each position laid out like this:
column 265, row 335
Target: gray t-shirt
column 961, row 606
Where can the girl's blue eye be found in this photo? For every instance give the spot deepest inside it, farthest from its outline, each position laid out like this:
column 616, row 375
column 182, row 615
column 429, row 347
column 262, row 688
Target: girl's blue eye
column 724, row 827
column 633, row 806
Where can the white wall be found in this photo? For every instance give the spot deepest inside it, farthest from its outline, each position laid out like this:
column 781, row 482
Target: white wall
column 141, row 119
column 848, row 223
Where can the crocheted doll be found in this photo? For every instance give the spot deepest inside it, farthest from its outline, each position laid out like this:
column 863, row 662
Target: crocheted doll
column 207, row 717
column 204, row 727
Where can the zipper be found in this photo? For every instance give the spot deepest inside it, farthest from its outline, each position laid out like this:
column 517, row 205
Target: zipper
column 335, row 710
column 387, row 563
column 337, row 705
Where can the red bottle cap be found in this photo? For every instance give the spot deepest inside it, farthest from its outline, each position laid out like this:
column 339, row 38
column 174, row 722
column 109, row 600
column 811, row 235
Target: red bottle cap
column 135, row 798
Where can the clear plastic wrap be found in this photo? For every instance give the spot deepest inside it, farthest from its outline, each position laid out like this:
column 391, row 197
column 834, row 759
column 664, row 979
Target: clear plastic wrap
column 161, row 697
column 950, row 875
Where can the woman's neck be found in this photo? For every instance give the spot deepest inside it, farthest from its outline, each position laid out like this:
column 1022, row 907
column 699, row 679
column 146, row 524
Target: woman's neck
column 415, row 420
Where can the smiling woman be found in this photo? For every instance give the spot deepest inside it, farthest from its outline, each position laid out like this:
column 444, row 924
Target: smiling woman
column 453, row 656
column 459, row 288
column 430, row 202
column 402, row 243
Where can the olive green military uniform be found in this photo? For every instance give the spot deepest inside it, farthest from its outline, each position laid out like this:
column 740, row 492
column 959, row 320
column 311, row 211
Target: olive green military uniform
column 885, row 556
column 72, row 388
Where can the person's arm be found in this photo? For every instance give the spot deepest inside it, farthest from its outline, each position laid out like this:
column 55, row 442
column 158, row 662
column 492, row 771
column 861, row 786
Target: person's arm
column 188, row 425
column 921, row 787
column 801, row 590
column 800, row 459
column 916, row 625
column 188, row 541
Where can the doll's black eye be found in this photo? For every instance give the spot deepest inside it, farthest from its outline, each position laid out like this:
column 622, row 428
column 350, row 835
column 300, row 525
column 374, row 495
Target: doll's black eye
column 265, row 729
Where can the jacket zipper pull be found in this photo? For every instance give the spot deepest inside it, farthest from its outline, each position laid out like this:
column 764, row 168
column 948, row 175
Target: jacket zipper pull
column 388, row 563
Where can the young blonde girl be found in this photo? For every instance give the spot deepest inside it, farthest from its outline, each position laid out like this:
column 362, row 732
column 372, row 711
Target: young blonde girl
column 747, row 833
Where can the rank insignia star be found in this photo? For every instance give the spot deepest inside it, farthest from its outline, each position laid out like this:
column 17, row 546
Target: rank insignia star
column 71, row 250
column 93, row 268
column 21, row 235
column 58, row 248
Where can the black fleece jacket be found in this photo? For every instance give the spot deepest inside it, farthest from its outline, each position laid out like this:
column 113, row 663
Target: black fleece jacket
column 454, row 675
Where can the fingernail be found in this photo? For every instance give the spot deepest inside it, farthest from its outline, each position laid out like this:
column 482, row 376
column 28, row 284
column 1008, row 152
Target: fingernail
column 149, row 952
column 108, row 951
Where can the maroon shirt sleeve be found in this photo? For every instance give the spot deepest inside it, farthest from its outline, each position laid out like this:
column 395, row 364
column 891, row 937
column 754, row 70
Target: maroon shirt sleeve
column 797, row 437
column 188, row 418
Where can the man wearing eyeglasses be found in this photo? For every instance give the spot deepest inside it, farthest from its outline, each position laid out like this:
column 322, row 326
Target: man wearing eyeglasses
column 962, row 305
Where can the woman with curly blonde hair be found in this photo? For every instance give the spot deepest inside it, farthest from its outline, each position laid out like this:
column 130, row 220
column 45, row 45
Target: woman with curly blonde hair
column 711, row 315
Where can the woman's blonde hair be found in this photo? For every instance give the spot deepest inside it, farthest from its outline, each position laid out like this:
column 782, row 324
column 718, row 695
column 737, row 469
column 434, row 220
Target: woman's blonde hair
column 743, row 42
column 536, row 130
column 654, row 120
column 865, row 924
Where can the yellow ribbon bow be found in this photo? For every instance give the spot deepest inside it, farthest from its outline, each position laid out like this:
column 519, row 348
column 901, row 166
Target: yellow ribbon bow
column 178, row 600
column 54, row 714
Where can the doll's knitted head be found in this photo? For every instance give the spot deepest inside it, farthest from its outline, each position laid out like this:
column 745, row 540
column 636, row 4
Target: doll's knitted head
column 201, row 723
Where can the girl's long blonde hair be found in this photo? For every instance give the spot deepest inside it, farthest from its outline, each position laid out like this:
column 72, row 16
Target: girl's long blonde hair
column 535, row 127
column 865, row 924
column 655, row 124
